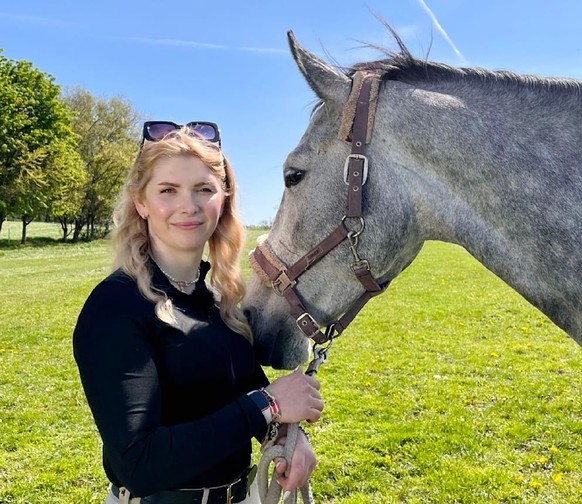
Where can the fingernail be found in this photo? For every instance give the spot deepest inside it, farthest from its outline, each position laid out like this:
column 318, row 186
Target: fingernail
column 286, row 494
column 278, row 466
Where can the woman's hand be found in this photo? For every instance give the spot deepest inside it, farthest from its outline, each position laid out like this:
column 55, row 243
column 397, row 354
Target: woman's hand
column 303, row 463
column 298, row 397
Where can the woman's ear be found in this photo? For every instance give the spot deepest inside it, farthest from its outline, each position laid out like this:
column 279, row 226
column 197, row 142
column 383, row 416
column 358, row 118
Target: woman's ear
column 140, row 208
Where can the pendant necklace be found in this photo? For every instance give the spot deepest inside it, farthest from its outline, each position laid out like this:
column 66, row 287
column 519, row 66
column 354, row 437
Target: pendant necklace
column 182, row 285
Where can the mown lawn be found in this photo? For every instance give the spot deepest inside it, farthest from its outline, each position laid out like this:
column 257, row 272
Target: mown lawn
column 449, row 388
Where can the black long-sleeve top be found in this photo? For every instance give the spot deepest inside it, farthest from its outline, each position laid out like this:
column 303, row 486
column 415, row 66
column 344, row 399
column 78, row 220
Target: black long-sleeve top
column 170, row 401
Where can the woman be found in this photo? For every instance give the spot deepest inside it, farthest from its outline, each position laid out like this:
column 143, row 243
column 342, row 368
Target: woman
column 166, row 360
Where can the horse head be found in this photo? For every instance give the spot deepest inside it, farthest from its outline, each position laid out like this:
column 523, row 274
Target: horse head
column 314, row 205
column 402, row 150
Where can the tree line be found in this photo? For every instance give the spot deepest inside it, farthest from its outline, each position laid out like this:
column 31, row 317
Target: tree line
column 63, row 156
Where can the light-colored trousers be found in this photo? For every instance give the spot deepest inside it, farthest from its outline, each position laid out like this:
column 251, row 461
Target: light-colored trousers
column 253, row 497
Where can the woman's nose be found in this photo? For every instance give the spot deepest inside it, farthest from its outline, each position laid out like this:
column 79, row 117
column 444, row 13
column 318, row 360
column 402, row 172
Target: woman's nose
column 189, row 203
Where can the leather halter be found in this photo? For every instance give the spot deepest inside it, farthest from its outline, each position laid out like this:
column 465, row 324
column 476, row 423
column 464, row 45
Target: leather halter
column 283, row 279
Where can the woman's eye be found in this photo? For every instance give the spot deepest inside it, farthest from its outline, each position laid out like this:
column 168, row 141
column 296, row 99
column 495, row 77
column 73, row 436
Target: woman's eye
column 293, row 178
column 167, row 190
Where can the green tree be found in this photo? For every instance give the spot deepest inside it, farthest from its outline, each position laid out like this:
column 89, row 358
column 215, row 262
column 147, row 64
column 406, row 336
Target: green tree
column 36, row 139
column 109, row 136
column 67, row 179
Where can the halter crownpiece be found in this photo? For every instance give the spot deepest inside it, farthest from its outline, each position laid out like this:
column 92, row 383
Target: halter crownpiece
column 357, row 118
column 349, row 112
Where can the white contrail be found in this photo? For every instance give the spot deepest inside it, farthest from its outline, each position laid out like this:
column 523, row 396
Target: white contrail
column 441, row 30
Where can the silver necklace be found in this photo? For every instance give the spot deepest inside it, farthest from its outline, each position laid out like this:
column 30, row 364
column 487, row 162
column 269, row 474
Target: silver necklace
column 181, row 284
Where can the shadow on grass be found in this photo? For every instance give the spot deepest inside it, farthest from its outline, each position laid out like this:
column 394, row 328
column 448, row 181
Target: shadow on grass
column 32, row 242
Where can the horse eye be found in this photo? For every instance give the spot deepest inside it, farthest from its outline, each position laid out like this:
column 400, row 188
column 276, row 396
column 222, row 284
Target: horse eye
column 294, row 178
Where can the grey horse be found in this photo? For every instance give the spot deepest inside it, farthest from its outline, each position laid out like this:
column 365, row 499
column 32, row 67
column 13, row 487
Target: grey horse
column 489, row 160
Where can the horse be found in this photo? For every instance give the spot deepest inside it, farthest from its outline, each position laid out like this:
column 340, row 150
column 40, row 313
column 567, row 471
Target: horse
column 488, row 160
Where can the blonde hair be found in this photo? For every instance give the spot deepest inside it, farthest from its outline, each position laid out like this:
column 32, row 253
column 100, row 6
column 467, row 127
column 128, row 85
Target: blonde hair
column 130, row 234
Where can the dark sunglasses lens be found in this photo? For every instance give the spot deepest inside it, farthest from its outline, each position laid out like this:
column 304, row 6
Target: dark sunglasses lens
column 206, row 131
column 159, row 130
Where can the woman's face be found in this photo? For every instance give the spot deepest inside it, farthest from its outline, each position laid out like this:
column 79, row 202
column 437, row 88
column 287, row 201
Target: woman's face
column 183, row 202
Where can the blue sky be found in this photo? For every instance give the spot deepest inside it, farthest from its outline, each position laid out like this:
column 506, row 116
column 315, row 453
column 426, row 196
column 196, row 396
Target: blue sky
column 228, row 61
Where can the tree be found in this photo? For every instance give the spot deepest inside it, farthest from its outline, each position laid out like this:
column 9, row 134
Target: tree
column 67, row 180
column 109, row 136
column 35, row 133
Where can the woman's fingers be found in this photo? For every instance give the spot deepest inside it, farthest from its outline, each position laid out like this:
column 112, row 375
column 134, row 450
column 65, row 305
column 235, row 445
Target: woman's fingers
column 298, row 396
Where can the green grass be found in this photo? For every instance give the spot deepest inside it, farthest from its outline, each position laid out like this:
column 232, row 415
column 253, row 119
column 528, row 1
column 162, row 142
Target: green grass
column 449, row 388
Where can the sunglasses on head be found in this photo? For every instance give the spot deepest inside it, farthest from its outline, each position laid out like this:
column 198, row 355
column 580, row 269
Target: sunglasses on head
column 155, row 131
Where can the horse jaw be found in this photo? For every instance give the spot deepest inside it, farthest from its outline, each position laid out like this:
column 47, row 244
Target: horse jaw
column 277, row 341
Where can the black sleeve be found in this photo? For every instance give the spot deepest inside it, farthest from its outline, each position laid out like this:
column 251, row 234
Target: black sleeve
column 120, row 380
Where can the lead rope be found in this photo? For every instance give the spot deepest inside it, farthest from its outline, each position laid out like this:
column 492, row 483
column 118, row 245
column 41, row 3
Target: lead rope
column 270, row 493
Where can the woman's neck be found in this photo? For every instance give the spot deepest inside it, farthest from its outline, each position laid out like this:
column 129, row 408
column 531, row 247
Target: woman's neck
column 178, row 269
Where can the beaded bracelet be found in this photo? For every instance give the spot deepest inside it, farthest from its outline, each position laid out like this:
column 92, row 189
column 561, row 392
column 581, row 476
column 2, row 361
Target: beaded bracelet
column 273, row 405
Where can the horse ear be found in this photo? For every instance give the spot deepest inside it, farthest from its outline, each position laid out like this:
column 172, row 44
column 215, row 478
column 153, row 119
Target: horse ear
column 325, row 80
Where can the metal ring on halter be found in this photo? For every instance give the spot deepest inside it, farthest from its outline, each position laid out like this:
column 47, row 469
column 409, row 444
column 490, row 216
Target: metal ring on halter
column 329, row 335
column 357, row 233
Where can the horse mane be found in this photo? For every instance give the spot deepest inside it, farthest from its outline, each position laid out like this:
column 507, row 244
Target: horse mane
column 404, row 67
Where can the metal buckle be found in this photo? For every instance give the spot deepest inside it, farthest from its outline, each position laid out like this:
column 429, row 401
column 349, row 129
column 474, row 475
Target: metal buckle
column 359, row 157
column 229, row 494
column 282, row 283
column 302, row 324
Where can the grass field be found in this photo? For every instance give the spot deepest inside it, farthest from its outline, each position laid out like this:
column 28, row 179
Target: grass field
column 449, row 388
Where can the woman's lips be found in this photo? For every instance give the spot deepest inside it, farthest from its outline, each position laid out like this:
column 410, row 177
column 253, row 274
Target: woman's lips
column 187, row 225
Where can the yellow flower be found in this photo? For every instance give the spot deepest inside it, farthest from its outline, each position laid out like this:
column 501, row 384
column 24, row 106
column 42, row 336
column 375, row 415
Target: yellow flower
column 536, row 485
column 543, row 460
column 554, row 449
column 558, row 477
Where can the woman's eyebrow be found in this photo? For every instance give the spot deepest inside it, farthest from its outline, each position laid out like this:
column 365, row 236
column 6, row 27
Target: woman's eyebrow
column 197, row 184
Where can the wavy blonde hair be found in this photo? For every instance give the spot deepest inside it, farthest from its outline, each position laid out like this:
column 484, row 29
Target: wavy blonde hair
column 130, row 234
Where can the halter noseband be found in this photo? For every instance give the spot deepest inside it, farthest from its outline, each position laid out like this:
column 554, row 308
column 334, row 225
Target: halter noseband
column 359, row 114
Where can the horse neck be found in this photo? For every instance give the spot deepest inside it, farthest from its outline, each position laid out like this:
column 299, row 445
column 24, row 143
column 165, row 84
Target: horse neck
column 496, row 171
